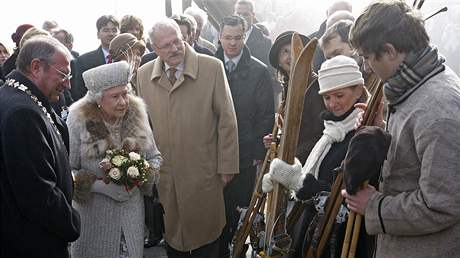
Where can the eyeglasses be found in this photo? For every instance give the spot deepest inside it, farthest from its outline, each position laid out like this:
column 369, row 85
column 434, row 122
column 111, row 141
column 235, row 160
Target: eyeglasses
column 176, row 43
column 237, row 38
column 64, row 76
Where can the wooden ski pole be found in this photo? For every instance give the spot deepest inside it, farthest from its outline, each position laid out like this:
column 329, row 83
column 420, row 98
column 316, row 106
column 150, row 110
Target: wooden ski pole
column 330, row 213
column 355, row 220
column 257, row 201
column 348, row 233
column 356, row 231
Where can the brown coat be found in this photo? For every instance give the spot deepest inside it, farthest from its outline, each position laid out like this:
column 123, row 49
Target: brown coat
column 194, row 124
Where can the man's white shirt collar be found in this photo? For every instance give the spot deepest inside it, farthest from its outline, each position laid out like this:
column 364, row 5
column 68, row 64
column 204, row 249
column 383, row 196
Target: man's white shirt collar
column 106, row 54
column 235, row 60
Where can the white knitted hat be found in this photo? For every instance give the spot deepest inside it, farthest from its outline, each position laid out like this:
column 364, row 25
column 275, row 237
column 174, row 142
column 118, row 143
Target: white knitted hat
column 106, row 76
column 337, row 73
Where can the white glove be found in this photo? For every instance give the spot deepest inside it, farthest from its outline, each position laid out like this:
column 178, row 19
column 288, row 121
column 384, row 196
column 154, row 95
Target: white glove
column 290, row 176
column 267, row 184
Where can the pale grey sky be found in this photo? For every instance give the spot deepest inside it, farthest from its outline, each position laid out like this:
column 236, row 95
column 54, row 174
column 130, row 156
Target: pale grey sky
column 79, row 17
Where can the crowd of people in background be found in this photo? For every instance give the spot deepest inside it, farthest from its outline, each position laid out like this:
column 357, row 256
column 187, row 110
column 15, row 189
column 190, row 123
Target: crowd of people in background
column 201, row 115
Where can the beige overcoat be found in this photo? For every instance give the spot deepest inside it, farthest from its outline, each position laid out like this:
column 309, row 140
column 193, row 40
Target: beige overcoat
column 195, row 128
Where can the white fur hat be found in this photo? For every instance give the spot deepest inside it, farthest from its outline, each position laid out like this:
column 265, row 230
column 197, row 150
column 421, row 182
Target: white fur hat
column 106, row 76
column 337, row 73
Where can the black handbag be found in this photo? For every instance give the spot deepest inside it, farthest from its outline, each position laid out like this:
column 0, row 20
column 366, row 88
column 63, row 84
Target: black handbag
column 154, row 213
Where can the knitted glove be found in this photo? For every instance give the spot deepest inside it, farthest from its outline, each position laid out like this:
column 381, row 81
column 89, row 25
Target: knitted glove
column 83, row 183
column 290, row 176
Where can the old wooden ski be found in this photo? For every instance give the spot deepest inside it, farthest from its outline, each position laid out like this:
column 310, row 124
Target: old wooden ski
column 277, row 240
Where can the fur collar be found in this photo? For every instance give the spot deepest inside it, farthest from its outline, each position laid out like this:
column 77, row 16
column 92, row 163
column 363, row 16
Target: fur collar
column 95, row 138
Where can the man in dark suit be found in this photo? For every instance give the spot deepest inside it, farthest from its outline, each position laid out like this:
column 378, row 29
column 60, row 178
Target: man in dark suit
column 201, row 19
column 252, row 93
column 66, row 38
column 187, row 25
column 255, row 40
column 36, row 215
column 338, row 5
column 107, row 28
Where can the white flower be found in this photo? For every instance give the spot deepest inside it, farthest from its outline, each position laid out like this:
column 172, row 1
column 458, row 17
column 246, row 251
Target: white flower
column 133, row 172
column 134, row 156
column 115, row 173
column 119, row 160
column 109, row 152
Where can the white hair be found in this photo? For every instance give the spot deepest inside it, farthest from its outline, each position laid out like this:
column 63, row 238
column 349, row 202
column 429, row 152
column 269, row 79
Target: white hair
column 339, row 5
column 162, row 25
column 338, row 16
column 197, row 12
column 192, row 20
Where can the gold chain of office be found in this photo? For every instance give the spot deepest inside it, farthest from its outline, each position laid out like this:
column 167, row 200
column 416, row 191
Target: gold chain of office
column 22, row 87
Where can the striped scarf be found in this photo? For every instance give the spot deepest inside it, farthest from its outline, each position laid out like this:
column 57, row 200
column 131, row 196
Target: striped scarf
column 415, row 67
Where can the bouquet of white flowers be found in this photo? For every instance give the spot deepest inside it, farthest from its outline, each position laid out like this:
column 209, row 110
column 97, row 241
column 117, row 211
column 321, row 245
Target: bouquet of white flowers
column 126, row 168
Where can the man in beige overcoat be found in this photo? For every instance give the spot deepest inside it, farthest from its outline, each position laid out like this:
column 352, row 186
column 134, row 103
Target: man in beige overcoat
column 194, row 123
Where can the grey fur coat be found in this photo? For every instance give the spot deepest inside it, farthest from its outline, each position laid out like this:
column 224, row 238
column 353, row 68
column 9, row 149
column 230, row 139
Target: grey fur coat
column 106, row 210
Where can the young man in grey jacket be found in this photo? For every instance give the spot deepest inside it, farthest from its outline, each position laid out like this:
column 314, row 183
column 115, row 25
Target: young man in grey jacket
column 416, row 211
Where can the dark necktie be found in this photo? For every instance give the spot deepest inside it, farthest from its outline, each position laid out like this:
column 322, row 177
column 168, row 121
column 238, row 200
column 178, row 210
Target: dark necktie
column 172, row 75
column 230, row 66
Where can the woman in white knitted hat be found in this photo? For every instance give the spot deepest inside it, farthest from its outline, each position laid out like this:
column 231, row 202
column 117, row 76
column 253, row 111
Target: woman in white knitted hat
column 342, row 86
column 108, row 117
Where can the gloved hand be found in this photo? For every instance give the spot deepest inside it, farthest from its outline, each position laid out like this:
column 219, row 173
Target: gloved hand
column 82, row 189
column 310, row 187
column 290, row 176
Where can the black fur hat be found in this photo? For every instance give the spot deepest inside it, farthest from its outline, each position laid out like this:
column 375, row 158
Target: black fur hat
column 283, row 39
column 366, row 152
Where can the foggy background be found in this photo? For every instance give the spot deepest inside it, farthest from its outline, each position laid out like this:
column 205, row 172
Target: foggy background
column 304, row 16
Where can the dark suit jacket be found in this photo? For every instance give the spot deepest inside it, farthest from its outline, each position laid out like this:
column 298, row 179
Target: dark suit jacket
column 252, row 92
column 2, row 77
column 259, row 45
column 36, row 215
column 202, row 50
column 148, row 57
column 318, row 58
column 10, row 64
column 75, row 54
column 81, row 64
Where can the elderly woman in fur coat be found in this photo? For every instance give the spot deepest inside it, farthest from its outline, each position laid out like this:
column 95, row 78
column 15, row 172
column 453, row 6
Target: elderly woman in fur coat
column 108, row 117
